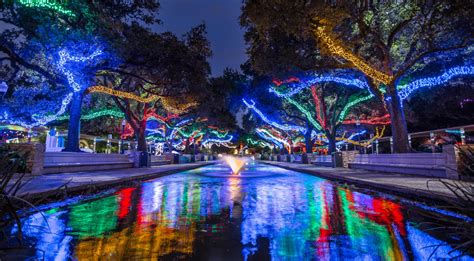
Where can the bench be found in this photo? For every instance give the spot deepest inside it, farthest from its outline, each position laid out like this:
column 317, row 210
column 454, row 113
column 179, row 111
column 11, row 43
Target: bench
column 160, row 160
column 62, row 162
column 297, row 158
column 322, row 160
column 423, row 164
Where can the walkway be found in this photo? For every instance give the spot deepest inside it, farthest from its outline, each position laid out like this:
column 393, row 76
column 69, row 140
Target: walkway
column 405, row 185
column 47, row 185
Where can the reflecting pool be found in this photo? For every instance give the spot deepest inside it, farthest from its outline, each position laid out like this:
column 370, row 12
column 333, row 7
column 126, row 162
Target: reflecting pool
column 207, row 214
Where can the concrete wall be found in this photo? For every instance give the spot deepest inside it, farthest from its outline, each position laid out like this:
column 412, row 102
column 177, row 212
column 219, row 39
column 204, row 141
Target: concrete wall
column 425, row 159
column 423, row 164
column 34, row 153
column 61, row 162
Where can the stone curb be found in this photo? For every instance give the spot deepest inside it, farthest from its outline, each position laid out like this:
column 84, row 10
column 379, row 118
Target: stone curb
column 107, row 184
column 405, row 192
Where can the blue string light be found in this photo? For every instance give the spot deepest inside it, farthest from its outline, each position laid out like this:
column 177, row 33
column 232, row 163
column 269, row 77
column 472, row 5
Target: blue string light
column 264, row 134
column 40, row 120
column 406, row 90
column 65, row 57
column 310, row 81
column 217, row 140
column 177, row 127
column 277, row 125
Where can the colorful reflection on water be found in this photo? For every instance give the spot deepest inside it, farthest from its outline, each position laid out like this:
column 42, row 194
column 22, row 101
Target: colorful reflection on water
column 203, row 214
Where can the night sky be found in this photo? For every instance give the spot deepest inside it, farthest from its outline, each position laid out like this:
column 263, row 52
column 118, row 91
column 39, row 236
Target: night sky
column 222, row 20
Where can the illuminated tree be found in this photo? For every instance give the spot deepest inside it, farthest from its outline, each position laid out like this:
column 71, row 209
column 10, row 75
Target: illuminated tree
column 159, row 73
column 388, row 42
column 53, row 43
column 324, row 105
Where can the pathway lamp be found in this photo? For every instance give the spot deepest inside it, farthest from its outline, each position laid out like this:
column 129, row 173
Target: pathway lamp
column 124, row 122
column 357, row 129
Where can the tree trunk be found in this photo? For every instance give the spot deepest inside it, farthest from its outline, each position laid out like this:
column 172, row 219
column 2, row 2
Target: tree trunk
column 398, row 124
column 307, row 138
column 331, row 143
column 141, row 139
column 74, row 126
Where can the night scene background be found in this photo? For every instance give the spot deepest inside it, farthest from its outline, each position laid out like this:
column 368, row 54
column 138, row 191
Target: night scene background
column 236, row 130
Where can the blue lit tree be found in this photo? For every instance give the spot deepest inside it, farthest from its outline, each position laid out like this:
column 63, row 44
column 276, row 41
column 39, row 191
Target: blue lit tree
column 79, row 62
column 36, row 33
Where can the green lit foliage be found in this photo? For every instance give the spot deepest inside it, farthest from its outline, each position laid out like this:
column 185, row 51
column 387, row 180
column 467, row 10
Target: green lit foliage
column 56, row 6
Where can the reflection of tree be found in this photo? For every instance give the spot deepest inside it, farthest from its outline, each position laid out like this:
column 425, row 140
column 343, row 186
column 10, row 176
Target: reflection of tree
column 181, row 216
column 93, row 219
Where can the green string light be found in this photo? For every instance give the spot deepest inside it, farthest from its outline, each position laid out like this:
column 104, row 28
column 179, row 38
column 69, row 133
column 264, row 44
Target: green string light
column 305, row 112
column 351, row 104
column 219, row 135
column 47, row 4
column 96, row 114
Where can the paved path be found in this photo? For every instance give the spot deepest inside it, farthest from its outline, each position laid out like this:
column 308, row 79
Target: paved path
column 405, row 185
column 47, row 185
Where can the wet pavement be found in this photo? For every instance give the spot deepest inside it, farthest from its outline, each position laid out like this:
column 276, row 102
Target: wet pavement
column 408, row 185
column 40, row 186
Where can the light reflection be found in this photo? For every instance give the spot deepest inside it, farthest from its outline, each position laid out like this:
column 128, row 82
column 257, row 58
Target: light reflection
column 283, row 216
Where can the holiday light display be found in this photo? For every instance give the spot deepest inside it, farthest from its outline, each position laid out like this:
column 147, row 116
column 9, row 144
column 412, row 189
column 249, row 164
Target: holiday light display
column 219, row 134
column 96, row 114
column 172, row 105
column 217, row 140
column 351, row 104
column 407, row 89
column 154, row 115
column 65, row 57
column 54, row 5
column 382, row 120
column 121, row 94
column 265, row 134
column 40, row 120
column 258, row 143
column 177, row 127
column 308, row 115
column 338, row 50
column 378, row 134
column 317, row 103
column 311, row 81
column 285, row 127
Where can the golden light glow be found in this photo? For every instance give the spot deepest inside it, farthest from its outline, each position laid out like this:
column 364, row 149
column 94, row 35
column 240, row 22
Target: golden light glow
column 177, row 106
column 122, row 94
column 234, row 163
column 171, row 104
column 139, row 242
column 378, row 134
column 335, row 48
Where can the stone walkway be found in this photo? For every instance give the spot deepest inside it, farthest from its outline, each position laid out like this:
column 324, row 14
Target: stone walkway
column 47, row 185
column 400, row 184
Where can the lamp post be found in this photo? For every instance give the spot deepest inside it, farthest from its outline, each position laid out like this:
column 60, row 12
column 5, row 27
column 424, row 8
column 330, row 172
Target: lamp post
column 357, row 128
column 124, row 122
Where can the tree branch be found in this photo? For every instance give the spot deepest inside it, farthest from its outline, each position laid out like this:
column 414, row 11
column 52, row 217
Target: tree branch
column 427, row 53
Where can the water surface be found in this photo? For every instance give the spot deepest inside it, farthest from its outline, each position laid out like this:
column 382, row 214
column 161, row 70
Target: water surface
column 206, row 214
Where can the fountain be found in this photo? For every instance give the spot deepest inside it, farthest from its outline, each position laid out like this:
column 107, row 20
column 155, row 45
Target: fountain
column 235, row 163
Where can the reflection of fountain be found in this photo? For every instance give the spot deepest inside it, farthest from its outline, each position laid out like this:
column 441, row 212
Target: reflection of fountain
column 234, row 163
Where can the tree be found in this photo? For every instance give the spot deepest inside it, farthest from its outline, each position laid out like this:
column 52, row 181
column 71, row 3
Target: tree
column 325, row 101
column 157, row 72
column 386, row 41
column 38, row 33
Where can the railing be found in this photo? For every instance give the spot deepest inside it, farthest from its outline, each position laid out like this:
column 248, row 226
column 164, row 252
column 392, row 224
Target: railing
column 423, row 141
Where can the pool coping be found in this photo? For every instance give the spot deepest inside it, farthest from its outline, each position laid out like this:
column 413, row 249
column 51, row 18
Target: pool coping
column 58, row 193
column 396, row 190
